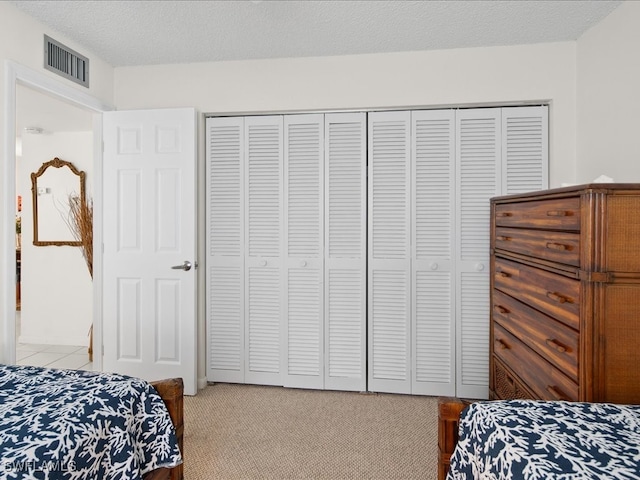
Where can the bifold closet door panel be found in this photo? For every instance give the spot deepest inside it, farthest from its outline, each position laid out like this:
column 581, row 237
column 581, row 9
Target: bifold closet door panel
column 389, row 276
column 303, row 346
column 478, row 165
column 264, row 230
column 345, row 251
column 433, row 249
column 225, row 249
column 525, row 149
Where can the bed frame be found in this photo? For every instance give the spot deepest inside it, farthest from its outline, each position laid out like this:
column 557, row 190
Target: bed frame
column 449, row 410
column 172, row 393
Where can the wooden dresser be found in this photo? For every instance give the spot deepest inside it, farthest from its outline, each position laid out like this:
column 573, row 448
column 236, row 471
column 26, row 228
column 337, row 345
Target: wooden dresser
column 565, row 294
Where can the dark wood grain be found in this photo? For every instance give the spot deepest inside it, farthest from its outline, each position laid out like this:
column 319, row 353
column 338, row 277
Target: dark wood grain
column 172, row 393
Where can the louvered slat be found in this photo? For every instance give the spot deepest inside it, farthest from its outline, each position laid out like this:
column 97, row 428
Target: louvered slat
column 345, row 322
column 264, row 164
column 264, row 281
column 389, row 314
column 345, row 145
column 225, row 322
column 304, row 186
column 345, row 243
column 263, row 323
column 304, row 328
column 478, row 157
column 478, row 160
column 525, row 149
column 303, row 239
column 474, row 331
column 225, row 203
column 434, row 348
column 389, row 158
column 434, row 184
column 389, row 291
column 433, row 320
column 225, row 250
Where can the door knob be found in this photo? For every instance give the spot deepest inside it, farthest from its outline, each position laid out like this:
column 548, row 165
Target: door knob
column 186, row 266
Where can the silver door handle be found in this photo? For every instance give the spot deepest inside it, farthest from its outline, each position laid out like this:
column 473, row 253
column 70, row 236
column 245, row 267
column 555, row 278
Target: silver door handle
column 186, row 266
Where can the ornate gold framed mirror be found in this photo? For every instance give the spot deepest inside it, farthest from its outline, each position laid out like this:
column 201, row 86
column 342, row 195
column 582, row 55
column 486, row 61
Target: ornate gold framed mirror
column 51, row 189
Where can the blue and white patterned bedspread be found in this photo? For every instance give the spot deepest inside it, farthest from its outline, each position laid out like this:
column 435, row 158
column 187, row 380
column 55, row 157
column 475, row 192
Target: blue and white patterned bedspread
column 66, row 424
column 522, row 439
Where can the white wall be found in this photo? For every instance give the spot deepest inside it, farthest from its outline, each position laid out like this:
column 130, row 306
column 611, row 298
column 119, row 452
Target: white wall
column 608, row 93
column 56, row 287
column 493, row 76
column 21, row 40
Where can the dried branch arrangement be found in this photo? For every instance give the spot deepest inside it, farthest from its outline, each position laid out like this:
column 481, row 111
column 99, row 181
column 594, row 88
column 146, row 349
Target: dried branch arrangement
column 81, row 223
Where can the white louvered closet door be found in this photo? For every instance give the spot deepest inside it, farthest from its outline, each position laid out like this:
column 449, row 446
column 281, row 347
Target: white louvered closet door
column 389, row 292
column 345, row 251
column 225, row 249
column 263, row 264
column 303, row 349
column 433, row 274
column 525, row 149
column 478, row 159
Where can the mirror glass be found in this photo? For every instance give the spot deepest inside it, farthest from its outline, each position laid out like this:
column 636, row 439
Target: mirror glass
column 51, row 187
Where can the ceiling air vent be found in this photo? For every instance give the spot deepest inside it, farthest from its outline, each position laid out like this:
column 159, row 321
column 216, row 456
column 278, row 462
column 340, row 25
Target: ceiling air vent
column 65, row 62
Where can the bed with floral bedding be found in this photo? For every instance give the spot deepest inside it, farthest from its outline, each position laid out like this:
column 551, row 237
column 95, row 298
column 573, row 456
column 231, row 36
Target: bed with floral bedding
column 68, row 424
column 527, row 439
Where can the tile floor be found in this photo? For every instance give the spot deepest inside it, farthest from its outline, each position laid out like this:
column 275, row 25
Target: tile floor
column 53, row 356
column 73, row 357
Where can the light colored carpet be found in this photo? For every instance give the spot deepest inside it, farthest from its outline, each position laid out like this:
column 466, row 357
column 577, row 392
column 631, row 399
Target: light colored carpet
column 254, row 432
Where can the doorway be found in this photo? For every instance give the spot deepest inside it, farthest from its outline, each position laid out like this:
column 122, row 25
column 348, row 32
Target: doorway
column 18, row 76
column 55, row 315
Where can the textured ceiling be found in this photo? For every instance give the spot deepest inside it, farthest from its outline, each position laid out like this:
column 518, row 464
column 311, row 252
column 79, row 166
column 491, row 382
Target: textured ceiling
column 161, row 32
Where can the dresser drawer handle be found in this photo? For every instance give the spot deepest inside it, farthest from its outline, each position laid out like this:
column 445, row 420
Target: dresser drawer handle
column 557, row 393
column 501, row 309
column 502, row 238
column 558, row 246
column 503, row 345
column 503, row 274
column 504, row 214
column 558, row 213
column 558, row 298
column 553, row 343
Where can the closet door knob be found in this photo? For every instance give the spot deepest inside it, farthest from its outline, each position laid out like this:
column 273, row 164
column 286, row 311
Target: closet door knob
column 263, row 263
column 434, row 266
column 479, row 267
column 303, row 263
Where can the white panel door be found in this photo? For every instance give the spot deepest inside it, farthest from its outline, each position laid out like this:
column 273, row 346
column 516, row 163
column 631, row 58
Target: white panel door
column 225, row 249
column 525, row 149
column 433, row 247
column 303, row 347
column 478, row 157
column 389, row 291
column 149, row 314
column 264, row 230
column 345, row 251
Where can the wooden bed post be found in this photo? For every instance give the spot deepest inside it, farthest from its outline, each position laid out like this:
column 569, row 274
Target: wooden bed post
column 172, row 393
column 449, row 410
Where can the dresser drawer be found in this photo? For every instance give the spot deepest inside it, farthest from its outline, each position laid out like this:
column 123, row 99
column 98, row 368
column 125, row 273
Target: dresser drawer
column 553, row 294
column 546, row 381
column 553, row 340
column 562, row 247
column 555, row 214
column 505, row 387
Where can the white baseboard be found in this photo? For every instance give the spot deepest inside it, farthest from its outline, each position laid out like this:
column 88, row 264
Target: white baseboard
column 202, row 382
